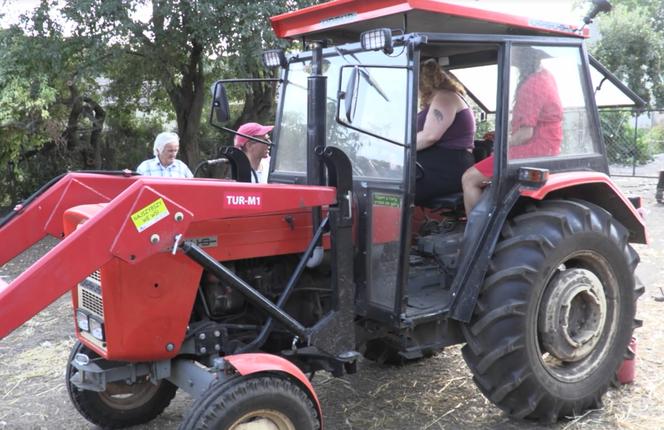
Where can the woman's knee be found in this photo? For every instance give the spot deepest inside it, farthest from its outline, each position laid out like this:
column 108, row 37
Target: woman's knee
column 472, row 178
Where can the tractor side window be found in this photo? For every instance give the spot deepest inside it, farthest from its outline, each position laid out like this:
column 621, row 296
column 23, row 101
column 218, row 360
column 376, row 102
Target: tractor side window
column 549, row 116
column 292, row 144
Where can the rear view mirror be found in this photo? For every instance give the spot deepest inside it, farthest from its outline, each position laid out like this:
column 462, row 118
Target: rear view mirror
column 350, row 96
column 220, row 112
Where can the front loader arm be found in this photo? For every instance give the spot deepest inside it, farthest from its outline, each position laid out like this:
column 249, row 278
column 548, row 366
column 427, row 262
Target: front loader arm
column 141, row 221
column 43, row 215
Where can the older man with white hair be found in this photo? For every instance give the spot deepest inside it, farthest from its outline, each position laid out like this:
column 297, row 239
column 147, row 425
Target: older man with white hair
column 166, row 147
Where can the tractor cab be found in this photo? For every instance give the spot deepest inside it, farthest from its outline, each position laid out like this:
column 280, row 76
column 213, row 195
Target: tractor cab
column 416, row 266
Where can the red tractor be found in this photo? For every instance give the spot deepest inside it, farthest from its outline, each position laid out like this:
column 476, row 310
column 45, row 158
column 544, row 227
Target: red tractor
column 233, row 291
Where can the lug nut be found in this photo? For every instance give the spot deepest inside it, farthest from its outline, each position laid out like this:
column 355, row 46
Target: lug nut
column 201, row 336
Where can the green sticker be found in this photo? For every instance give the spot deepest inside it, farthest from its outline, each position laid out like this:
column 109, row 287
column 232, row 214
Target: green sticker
column 149, row 215
column 387, row 200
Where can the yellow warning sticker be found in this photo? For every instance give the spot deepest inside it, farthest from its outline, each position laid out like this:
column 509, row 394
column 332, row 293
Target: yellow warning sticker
column 150, row 215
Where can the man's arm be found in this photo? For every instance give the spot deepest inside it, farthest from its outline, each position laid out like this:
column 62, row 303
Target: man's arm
column 142, row 168
column 521, row 136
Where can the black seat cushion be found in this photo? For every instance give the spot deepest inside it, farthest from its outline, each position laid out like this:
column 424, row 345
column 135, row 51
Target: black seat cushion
column 452, row 202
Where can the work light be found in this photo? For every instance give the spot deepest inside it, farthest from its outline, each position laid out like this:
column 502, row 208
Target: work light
column 379, row 38
column 274, row 58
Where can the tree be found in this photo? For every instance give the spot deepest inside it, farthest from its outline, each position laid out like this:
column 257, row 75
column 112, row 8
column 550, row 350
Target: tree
column 171, row 48
column 24, row 98
column 632, row 46
column 51, row 115
column 95, row 95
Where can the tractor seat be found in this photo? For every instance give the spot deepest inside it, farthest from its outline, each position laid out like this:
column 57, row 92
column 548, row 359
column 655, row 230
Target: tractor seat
column 450, row 202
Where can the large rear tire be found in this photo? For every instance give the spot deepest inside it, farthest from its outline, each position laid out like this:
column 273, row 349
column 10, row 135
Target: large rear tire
column 121, row 405
column 262, row 401
column 556, row 312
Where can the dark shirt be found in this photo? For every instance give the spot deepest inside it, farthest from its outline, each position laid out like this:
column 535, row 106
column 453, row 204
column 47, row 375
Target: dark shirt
column 444, row 162
column 459, row 135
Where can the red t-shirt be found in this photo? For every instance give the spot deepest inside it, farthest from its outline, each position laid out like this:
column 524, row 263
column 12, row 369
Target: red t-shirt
column 537, row 105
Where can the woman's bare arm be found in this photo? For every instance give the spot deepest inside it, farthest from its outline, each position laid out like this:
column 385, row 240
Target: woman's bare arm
column 441, row 114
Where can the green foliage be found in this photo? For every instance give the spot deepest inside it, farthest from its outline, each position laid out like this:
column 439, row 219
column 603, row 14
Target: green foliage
column 485, row 126
column 654, row 138
column 96, row 95
column 632, row 46
column 624, row 145
column 172, row 51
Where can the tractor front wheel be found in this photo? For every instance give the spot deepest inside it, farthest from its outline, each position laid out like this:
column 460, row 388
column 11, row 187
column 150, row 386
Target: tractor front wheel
column 264, row 401
column 122, row 404
column 556, row 312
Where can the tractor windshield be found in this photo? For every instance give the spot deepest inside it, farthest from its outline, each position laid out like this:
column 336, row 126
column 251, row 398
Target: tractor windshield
column 385, row 87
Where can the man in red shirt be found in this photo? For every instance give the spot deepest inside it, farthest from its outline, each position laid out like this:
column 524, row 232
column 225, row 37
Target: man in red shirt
column 536, row 127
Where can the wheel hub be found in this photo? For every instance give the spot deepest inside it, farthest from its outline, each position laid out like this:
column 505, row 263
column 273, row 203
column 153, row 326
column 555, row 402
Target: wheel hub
column 120, row 395
column 263, row 419
column 572, row 314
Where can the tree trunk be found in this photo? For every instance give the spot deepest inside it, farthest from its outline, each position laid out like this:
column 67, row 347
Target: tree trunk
column 187, row 99
column 70, row 134
column 257, row 104
column 97, row 116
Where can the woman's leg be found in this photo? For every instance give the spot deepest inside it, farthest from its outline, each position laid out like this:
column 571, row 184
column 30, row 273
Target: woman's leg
column 472, row 181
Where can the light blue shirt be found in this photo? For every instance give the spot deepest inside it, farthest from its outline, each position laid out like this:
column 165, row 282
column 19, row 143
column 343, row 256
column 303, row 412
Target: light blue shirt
column 153, row 167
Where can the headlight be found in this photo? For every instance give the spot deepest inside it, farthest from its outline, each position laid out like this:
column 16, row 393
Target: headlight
column 82, row 321
column 97, row 328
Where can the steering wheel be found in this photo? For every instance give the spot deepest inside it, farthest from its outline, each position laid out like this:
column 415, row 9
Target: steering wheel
column 419, row 171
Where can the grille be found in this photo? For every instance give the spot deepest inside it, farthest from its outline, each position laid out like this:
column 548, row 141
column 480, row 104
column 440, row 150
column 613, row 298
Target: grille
column 89, row 295
column 91, row 302
column 96, row 275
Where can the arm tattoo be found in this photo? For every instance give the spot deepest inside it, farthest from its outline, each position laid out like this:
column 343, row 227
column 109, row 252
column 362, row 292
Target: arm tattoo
column 438, row 114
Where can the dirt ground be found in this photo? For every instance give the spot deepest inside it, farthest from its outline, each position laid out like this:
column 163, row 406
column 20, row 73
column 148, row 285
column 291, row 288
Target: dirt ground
column 436, row 393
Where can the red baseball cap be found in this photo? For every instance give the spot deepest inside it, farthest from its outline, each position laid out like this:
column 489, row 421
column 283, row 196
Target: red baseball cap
column 251, row 129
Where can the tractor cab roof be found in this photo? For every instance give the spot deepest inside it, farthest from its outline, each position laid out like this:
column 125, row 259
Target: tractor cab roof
column 343, row 20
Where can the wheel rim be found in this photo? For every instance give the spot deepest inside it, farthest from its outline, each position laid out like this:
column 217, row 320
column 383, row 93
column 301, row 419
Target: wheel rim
column 263, row 419
column 577, row 318
column 122, row 396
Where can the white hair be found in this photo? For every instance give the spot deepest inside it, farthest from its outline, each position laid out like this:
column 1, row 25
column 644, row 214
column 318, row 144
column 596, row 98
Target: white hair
column 163, row 139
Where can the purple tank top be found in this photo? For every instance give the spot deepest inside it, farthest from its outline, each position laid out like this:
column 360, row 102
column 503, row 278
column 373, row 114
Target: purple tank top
column 459, row 135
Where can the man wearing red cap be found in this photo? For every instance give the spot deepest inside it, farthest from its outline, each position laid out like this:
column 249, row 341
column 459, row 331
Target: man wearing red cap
column 255, row 151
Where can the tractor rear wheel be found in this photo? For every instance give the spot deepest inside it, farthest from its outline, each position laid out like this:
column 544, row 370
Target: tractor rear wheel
column 263, row 401
column 121, row 405
column 556, row 312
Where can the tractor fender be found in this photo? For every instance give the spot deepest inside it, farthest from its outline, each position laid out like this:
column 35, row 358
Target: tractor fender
column 593, row 187
column 246, row 364
column 597, row 188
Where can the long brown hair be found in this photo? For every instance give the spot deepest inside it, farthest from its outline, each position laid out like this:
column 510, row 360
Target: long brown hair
column 434, row 78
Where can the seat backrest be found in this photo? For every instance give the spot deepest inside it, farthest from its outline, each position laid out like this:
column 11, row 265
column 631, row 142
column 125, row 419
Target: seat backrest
column 483, row 148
